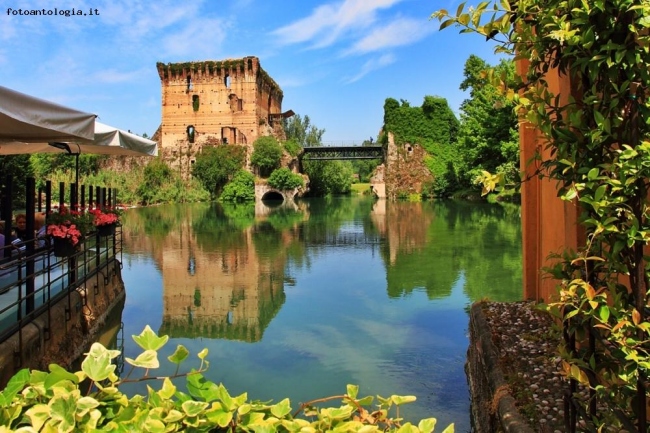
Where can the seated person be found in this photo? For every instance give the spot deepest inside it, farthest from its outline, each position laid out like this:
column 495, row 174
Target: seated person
column 20, row 229
column 41, row 230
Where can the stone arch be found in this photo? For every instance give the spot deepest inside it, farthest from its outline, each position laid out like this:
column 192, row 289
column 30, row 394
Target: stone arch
column 273, row 195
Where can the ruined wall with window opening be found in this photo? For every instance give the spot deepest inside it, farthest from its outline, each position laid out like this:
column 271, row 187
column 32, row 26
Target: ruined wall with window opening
column 231, row 101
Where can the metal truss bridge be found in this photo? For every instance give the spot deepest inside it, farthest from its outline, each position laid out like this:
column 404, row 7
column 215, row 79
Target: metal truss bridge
column 342, row 152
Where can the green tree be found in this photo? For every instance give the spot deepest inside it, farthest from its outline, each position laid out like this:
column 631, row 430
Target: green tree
column 216, row 165
column 488, row 138
column 329, row 177
column 302, row 131
column 44, row 165
column 267, row 154
column 283, row 178
column 18, row 167
column 156, row 176
column 240, row 188
column 365, row 167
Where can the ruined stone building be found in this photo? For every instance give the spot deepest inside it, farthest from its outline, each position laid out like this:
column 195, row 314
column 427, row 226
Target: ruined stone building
column 230, row 101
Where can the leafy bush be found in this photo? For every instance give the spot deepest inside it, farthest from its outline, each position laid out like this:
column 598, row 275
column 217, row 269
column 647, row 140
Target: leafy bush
column 292, row 147
column 267, row 154
column 329, row 177
column 54, row 401
column 216, row 165
column 240, row 188
column 283, row 178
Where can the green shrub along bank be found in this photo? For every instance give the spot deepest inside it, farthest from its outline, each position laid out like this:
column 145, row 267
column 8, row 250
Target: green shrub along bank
column 91, row 400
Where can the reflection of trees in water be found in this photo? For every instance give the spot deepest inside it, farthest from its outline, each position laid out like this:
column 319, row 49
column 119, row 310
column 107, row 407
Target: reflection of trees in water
column 480, row 240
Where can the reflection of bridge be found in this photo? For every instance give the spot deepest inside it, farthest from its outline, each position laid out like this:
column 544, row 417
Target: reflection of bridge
column 342, row 152
column 345, row 238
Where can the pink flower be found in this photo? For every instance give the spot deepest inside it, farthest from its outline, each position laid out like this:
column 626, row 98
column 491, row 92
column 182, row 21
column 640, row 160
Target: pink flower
column 69, row 232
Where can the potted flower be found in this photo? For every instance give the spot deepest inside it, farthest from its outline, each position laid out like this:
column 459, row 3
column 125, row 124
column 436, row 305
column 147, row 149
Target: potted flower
column 66, row 228
column 105, row 220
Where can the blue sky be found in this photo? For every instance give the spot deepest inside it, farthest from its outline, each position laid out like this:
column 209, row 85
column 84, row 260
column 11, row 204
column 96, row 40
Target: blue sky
column 336, row 61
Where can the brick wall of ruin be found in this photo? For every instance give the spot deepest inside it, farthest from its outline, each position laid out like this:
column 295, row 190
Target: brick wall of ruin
column 227, row 101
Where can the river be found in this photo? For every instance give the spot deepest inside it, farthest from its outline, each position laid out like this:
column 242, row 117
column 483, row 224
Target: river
column 299, row 301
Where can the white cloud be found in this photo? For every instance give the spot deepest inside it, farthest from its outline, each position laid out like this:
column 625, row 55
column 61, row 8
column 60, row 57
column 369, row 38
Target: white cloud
column 199, row 39
column 372, row 65
column 329, row 22
column 403, row 31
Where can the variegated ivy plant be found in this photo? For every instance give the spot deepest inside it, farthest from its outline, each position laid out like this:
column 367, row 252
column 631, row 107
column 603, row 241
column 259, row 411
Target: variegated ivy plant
column 597, row 134
column 90, row 400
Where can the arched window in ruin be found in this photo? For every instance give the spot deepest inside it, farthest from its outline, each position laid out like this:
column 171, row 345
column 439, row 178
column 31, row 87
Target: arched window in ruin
column 195, row 102
column 189, row 83
column 226, row 80
column 190, row 133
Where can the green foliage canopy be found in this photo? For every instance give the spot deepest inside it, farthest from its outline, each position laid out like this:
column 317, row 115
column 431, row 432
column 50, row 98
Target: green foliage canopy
column 267, row 154
column 240, row 188
column 302, row 131
column 283, row 178
column 216, row 165
column 488, row 138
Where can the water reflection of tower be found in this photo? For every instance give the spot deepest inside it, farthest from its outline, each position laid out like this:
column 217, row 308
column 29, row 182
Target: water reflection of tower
column 214, row 290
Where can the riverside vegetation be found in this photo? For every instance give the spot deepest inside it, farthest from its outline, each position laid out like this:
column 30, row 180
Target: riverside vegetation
column 90, row 400
column 599, row 142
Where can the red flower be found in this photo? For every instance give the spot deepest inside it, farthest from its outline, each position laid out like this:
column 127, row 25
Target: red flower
column 103, row 218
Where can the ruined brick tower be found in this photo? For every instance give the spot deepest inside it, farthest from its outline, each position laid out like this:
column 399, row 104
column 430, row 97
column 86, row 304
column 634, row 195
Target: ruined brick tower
column 230, row 101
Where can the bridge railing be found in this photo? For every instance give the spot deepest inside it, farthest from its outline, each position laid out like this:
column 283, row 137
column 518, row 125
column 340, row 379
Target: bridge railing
column 343, row 143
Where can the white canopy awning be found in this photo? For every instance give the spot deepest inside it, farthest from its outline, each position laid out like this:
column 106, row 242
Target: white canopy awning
column 29, row 119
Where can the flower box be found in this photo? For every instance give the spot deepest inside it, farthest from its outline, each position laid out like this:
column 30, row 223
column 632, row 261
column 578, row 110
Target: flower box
column 106, row 230
column 63, row 247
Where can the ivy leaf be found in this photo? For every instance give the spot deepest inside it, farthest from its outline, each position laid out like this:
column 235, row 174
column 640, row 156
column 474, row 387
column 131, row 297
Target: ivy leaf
column 281, row 409
column 179, row 355
column 98, row 368
column 202, row 354
column 148, row 340
column 427, row 425
column 194, row 408
column 199, row 387
column 219, row 417
column 62, row 409
column 97, row 350
column 168, row 389
column 449, row 429
column 38, row 415
column 147, row 359
column 402, row 399
column 407, row 428
column 57, row 374
column 340, row 413
column 352, row 391
column 15, row 385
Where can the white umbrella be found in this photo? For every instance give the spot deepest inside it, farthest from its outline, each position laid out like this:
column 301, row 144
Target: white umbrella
column 108, row 141
column 29, row 119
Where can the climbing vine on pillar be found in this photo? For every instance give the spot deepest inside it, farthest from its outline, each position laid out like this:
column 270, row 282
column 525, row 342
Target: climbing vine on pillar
column 597, row 133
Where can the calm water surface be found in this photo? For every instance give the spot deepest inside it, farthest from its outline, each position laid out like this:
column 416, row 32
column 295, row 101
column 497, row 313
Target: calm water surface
column 298, row 302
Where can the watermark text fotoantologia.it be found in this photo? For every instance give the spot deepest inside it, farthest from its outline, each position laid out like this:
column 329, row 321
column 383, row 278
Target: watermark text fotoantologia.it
column 54, row 11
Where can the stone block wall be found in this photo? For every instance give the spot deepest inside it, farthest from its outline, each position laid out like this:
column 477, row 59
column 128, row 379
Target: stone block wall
column 493, row 407
column 64, row 333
